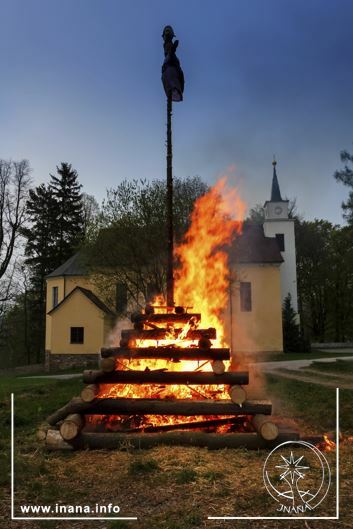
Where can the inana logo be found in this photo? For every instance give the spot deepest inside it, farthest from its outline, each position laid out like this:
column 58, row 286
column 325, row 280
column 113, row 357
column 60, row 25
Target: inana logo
column 297, row 475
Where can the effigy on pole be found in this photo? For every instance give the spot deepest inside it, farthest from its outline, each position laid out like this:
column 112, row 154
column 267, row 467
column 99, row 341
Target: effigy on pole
column 173, row 83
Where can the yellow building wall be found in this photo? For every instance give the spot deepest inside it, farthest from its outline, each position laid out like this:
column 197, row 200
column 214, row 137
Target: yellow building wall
column 65, row 285
column 77, row 311
column 260, row 329
column 51, row 283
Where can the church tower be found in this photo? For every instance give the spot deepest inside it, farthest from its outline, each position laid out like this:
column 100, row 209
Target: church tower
column 278, row 224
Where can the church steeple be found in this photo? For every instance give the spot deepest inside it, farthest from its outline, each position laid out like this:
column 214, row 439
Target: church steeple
column 275, row 190
column 278, row 225
column 276, row 207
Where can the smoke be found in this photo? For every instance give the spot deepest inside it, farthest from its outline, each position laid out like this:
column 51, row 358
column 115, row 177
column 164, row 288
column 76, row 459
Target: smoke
column 113, row 338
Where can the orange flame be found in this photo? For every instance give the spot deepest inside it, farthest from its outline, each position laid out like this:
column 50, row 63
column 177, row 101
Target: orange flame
column 203, row 279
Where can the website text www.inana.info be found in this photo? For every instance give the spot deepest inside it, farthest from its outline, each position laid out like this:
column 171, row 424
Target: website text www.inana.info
column 58, row 508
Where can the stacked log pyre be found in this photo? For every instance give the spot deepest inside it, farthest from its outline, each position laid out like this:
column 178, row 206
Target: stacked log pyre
column 217, row 413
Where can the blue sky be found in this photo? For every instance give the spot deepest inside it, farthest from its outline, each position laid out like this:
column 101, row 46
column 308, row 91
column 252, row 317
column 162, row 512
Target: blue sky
column 80, row 82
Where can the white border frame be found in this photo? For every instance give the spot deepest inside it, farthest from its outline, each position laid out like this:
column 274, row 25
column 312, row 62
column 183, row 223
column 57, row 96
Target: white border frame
column 13, row 517
column 302, row 517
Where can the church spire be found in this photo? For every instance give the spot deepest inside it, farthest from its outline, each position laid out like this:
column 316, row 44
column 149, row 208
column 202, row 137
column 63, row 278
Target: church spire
column 275, row 191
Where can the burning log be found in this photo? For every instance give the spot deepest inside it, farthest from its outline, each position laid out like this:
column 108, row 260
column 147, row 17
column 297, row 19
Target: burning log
column 76, row 405
column 186, row 407
column 218, row 367
column 265, row 427
column 167, row 317
column 162, row 334
column 71, row 426
column 166, row 377
column 107, row 364
column 237, row 394
column 167, row 353
column 89, row 392
column 192, row 425
column 212, row 441
column 204, row 343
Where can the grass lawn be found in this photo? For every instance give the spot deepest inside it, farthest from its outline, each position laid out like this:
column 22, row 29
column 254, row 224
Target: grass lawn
column 166, row 487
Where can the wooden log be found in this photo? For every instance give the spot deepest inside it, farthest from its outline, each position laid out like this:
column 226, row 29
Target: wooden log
column 186, row 407
column 166, row 377
column 167, row 353
column 89, row 392
column 42, row 430
column 212, row 441
column 161, row 334
column 265, row 427
column 218, row 367
column 71, row 426
column 107, row 364
column 54, row 441
column 75, row 405
column 237, row 394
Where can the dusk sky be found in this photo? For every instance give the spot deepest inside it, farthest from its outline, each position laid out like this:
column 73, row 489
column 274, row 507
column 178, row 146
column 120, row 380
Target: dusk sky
column 81, row 82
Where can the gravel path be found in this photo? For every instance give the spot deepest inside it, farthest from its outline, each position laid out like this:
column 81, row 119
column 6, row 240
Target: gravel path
column 310, row 375
column 295, row 364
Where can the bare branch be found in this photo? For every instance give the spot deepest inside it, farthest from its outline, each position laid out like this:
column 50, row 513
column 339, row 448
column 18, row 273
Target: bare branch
column 14, row 185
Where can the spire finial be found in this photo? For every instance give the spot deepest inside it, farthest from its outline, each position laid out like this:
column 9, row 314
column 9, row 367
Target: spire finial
column 274, row 161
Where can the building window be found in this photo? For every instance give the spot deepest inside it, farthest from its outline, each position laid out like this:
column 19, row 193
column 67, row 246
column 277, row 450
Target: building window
column 280, row 241
column 121, row 297
column 55, row 296
column 76, row 334
column 245, row 297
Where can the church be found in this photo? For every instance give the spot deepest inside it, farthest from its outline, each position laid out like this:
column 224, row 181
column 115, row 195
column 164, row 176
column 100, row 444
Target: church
column 262, row 269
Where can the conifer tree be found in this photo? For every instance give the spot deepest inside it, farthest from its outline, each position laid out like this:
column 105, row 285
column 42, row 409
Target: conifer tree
column 69, row 230
column 40, row 254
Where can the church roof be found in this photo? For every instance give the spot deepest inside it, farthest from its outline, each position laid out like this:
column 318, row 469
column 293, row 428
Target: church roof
column 75, row 266
column 275, row 190
column 253, row 247
column 92, row 297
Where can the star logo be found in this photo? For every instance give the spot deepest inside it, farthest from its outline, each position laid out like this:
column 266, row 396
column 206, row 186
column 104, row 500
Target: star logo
column 292, row 468
column 297, row 476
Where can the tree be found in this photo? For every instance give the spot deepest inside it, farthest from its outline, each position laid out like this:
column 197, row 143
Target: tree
column 313, row 270
column 69, row 231
column 325, row 279
column 340, row 306
column 41, row 255
column 131, row 246
column 345, row 176
column 292, row 342
column 41, row 244
column 14, row 184
column 90, row 208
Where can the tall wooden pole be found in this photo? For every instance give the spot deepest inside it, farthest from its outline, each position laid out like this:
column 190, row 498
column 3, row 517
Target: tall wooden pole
column 170, row 235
